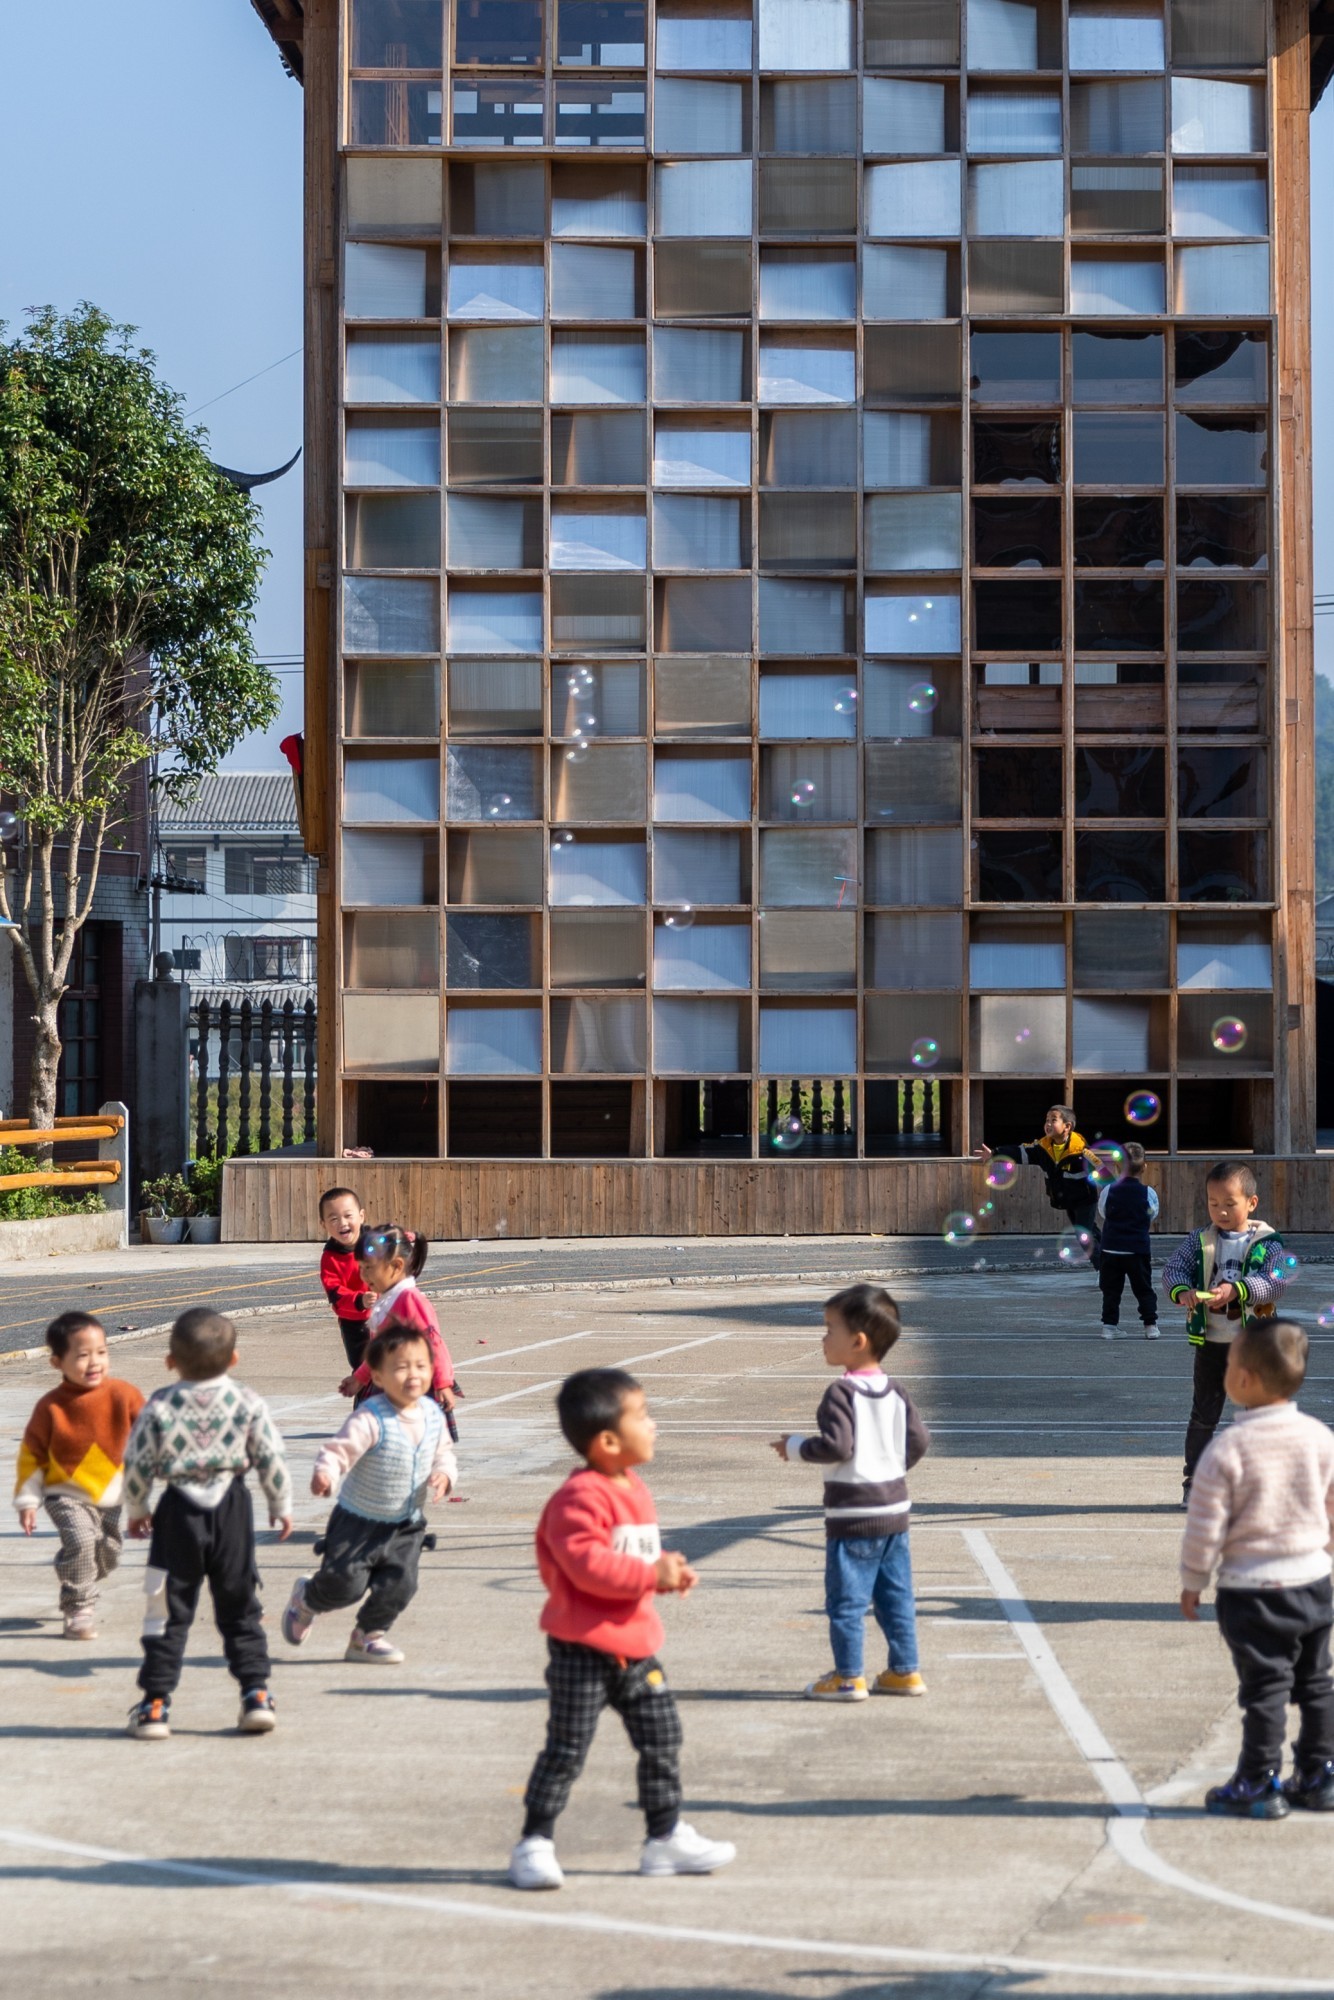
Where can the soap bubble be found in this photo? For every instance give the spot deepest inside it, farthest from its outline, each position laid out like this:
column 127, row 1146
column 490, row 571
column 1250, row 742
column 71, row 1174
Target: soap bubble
column 803, row 792
column 1289, row 1264
column 499, row 806
column 1002, row 1172
column 565, row 838
column 925, row 1052
column 502, row 1227
column 845, row 701
column 979, row 1264
column 987, row 1208
column 1023, row 1035
column 959, row 1228
column 1142, row 1107
column 679, row 917
column 1325, row 1318
column 786, row 1134
column 577, row 754
column 9, row 826
column 922, row 698
column 1228, row 1035
column 1074, row 1245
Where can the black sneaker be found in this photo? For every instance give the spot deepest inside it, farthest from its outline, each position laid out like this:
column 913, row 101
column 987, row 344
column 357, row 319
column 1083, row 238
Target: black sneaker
column 1249, row 1798
column 1312, row 1788
column 258, row 1714
column 1185, row 1493
column 150, row 1719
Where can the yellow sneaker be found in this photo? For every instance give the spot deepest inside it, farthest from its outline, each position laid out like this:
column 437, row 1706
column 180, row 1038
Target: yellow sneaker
column 888, row 1683
column 837, row 1687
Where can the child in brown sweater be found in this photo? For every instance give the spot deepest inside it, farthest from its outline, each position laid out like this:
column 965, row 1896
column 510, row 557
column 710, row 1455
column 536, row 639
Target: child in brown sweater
column 70, row 1462
column 1260, row 1509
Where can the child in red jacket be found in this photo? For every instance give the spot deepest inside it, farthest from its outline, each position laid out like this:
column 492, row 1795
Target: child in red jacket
column 602, row 1561
column 342, row 1214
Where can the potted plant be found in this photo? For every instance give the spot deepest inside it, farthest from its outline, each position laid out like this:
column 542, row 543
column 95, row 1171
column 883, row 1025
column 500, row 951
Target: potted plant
column 167, row 1200
column 206, row 1196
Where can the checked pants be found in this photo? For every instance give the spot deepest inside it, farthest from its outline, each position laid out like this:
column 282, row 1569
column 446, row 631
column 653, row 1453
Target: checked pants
column 583, row 1682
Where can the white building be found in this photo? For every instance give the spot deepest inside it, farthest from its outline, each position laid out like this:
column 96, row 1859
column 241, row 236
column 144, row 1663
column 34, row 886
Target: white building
column 251, row 933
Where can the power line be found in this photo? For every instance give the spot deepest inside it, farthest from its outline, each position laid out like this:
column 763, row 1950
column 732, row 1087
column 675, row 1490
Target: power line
column 242, row 385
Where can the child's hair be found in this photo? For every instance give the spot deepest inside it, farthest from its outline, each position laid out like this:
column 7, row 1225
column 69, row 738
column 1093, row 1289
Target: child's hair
column 63, row 1329
column 389, row 1240
column 335, row 1194
column 1066, row 1111
column 202, row 1343
column 1232, row 1170
column 870, row 1310
column 590, row 1402
column 1133, row 1154
column 1275, row 1350
column 384, row 1344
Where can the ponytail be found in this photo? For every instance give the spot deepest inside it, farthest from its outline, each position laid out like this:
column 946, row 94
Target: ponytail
column 390, row 1239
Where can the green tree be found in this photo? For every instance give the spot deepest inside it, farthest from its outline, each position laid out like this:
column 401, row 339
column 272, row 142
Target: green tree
column 129, row 571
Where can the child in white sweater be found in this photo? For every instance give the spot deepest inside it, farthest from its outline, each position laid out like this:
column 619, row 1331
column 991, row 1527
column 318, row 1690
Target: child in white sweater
column 1260, row 1509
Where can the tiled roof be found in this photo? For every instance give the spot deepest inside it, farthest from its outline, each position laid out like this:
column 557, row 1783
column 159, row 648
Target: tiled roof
column 235, row 801
column 286, row 22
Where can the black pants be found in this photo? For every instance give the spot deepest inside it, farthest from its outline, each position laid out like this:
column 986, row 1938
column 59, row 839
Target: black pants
column 1084, row 1215
column 359, row 1556
column 192, row 1545
column 583, row 1682
column 1206, row 1407
column 355, row 1339
column 1118, row 1265
column 1279, row 1642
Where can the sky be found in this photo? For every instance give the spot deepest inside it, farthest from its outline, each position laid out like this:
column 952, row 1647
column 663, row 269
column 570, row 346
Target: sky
column 152, row 153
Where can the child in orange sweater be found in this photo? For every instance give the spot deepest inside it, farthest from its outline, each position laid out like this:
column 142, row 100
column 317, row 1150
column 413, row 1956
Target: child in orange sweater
column 70, row 1462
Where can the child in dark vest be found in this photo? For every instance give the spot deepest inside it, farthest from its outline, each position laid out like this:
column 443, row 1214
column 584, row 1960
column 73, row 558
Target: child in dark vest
column 1126, row 1211
column 391, row 1455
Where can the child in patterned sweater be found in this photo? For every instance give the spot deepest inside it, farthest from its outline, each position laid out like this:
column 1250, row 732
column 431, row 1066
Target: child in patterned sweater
column 201, row 1436
column 70, row 1462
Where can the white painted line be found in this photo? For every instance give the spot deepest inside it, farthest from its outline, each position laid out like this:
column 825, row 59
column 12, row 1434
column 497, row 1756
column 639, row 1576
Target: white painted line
column 523, row 1914
column 627, row 1361
column 1126, row 1826
column 518, row 1353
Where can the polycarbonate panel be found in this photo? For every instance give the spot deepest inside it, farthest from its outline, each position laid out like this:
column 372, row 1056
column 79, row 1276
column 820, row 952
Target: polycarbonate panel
column 701, row 785
column 392, row 698
column 599, row 782
column 806, row 373
column 807, row 868
column 595, row 281
column 384, row 614
column 800, row 704
column 807, row 285
column 805, row 617
column 902, row 448
column 1012, row 34
column 806, row 34
column 1111, row 1037
column 497, row 365
column 1220, row 201
column 1019, row 1035
column 808, row 531
column 486, row 951
column 700, row 957
column 385, row 367
column 493, row 534
column 714, row 35
column 903, row 282
column 392, row 531
column 1223, row 278
column 685, row 454
column 903, row 117
column 700, row 1037
column 807, row 1041
column 1198, row 1044
column 384, row 281
column 704, row 198
column 589, row 872
column 379, row 787
column 1130, row 285
column 1017, row 198
column 914, row 198
column 500, row 199
column 701, row 695
column 912, row 34
column 501, row 866
column 1117, row 118
column 601, row 698
column 808, row 448
column 493, row 1041
column 388, row 869
column 597, row 368
column 808, row 950
column 597, row 948
column 1216, row 956
column 697, row 868
column 495, row 288
column 495, row 698
column 393, row 194
column 597, row 614
column 384, row 453
column 396, row 1034
column 494, row 621
column 598, row 201
column 915, row 866
column 483, row 782
column 913, row 531
column 698, row 117
column 605, row 448
column 597, row 1037
column 807, row 782
column 1116, row 34
column 909, row 698
column 911, row 621
column 916, row 953
column 698, row 534
column 1017, row 955
column 702, row 615
column 606, row 538
column 894, row 1023
column 1219, row 34
column 1013, row 121
column 913, row 782
column 1213, row 117
column 699, row 365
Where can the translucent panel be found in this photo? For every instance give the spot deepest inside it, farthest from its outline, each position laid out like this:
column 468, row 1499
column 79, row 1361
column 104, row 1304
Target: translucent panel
column 505, row 113
column 606, row 539
column 1015, row 954
column 903, row 282
column 1016, row 367
column 903, row 117
column 391, row 698
column 497, row 365
column 807, row 1041
column 914, row 954
column 483, row 285
column 805, row 617
column 493, row 1041
column 893, row 1025
column 387, row 869
column 1120, row 201
column 807, row 869
column 799, row 373
column 807, row 197
column 904, row 449
column 814, row 449
column 1118, row 367
column 482, row 782
column 809, row 117
column 589, row 281
column 699, row 117
column 388, row 452
column 591, row 450
column 808, row 950
column 395, row 114
column 698, row 868
column 1224, row 278
column 695, row 365
column 915, row 866
column 1215, row 953
column 913, row 531
column 1220, row 201
column 393, row 531
column 1112, row 1037
column 703, row 34
column 1018, row 454
column 597, row 873
column 597, row 948
column 1125, row 448
column 1222, row 531
column 701, row 280
column 1219, row 34
column 495, row 698
column 705, row 958
column 392, row 1033
column 606, row 33
column 385, row 367
column 1221, row 450
column 798, row 702
column 704, row 615
column 599, row 114
column 494, row 534
column 1117, row 285
column 708, row 696
column 1116, row 34
column 1014, row 121
column 495, row 447
column 384, row 281
column 494, row 621
column 1117, row 117
column 602, row 698
column 912, row 34
column 807, row 532
column 597, row 1037
column 495, row 867
column 1014, row 34
column 905, row 620
column 1120, row 949
column 806, row 34
column 598, row 782
column 1015, row 277
column 1017, row 198
column 1213, row 117
column 504, row 199
column 1020, row 1036
column 487, row 951
column 393, row 195
column 913, row 783
column 700, row 1037
column 914, row 198
column 393, row 951
column 597, row 201
column 903, row 698
column 498, row 31
column 1196, row 1047
column 597, row 368
column 704, row 198
column 702, row 786
column 390, row 788
column 384, row 614
column 700, row 534
column 597, row 614
column 685, row 454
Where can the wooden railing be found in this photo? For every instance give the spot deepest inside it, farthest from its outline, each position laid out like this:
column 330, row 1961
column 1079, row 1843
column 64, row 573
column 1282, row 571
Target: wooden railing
column 109, row 1128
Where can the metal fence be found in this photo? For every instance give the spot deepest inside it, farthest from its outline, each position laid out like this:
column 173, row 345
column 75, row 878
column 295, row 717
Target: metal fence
column 261, row 1050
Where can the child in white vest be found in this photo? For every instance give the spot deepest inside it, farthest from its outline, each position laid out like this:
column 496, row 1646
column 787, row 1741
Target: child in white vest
column 391, row 1455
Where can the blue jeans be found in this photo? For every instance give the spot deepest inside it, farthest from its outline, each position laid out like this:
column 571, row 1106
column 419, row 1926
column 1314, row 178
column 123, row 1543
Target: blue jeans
column 873, row 1571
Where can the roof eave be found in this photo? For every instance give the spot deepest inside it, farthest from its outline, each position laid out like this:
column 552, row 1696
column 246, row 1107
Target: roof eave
column 286, row 23
column 1322, row 48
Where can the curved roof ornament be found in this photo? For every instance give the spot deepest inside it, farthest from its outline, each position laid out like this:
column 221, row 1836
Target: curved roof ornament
column 245, row 482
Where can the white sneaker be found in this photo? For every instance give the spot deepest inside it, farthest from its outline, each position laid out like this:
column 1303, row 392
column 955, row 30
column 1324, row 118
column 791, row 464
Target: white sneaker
column 533, row 1864
column 1109, row 1333
column 684, row 1852
column 1151, row 1332
column 375, row 1647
